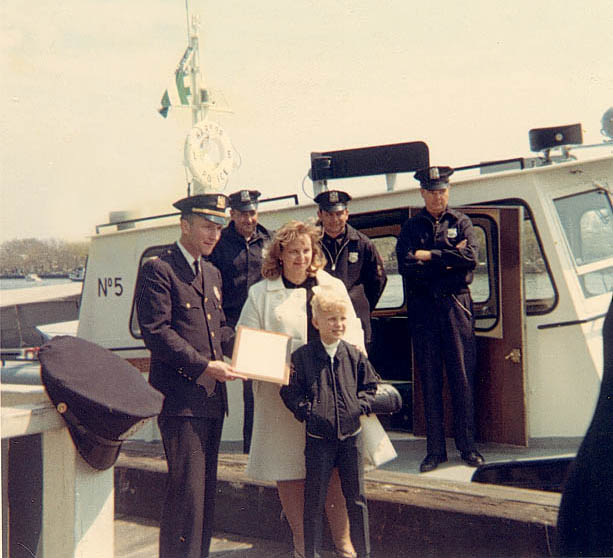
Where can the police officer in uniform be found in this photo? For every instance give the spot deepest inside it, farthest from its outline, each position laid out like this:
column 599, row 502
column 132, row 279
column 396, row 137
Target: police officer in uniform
column 238, row 255
column 183, row 324
column 437, row 253
column 351, row 256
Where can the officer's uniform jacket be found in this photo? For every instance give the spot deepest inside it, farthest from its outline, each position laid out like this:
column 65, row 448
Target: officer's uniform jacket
column 330, row 394
column 359, row 266
column 183, row 325
column 240, row 263
column 450, row 270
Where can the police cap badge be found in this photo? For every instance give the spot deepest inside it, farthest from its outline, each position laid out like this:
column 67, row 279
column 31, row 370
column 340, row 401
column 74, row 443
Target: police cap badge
column 332, row 200
column 434, row 178
column 244, row 200
column 210, row 206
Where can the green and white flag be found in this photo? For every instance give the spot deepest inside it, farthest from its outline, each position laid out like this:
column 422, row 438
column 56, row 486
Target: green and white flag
column 179, row 94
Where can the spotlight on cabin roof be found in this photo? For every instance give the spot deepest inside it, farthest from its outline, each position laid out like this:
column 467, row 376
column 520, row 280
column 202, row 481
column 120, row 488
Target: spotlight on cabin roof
column 607, row 124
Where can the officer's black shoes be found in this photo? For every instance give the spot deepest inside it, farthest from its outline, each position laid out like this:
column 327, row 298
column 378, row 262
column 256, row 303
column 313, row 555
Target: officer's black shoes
column 431, row 462
column 473, row 458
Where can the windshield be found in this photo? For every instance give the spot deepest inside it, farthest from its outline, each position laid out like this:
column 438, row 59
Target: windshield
column 587, row 220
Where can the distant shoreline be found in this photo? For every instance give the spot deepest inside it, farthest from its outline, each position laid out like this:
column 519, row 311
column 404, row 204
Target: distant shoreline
column 59, row 275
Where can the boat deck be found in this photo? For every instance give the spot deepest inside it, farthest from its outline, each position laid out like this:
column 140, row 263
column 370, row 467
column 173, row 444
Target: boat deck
column 440, row 513
column 136, row 537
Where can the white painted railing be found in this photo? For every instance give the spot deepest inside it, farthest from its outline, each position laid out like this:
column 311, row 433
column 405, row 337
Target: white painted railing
column 77, row 500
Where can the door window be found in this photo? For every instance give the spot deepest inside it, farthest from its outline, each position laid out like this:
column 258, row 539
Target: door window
column 484, row 287
column 539, row 288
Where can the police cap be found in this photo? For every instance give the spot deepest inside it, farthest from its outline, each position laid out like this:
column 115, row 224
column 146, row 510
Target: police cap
column 332, row 200
column 210, row 206
column 102, row 397
column 434, row 178
column 244, row 200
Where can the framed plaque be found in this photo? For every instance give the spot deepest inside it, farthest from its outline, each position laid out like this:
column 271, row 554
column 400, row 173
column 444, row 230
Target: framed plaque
column 262, row 355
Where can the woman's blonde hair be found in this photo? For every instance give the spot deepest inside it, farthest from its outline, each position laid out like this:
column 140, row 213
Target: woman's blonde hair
column 271, row 263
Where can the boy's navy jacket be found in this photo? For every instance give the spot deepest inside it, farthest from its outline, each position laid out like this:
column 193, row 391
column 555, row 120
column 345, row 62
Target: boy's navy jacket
column 330, row 401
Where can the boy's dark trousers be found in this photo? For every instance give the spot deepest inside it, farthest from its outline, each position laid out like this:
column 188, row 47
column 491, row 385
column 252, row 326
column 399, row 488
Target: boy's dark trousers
column 321, row 457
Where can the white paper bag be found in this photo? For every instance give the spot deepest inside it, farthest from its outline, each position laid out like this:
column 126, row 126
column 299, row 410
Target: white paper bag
column 378, row 448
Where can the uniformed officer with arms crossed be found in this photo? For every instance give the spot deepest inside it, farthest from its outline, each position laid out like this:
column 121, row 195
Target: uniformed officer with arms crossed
column 351, row 256
column 238, row 255
column 183, row 325
column 437, row 253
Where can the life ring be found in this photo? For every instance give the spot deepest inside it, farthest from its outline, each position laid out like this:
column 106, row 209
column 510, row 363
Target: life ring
column 212, row 173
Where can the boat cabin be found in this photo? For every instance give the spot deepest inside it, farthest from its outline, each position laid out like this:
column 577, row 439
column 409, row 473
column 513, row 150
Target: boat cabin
column 541, row 290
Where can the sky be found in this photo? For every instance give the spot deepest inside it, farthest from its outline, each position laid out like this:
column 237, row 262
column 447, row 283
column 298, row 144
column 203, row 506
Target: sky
column 80, row 135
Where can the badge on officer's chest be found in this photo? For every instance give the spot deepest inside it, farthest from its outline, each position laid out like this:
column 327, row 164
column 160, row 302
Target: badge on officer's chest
column 216, row 291
column 452, row 233
column 353, row 257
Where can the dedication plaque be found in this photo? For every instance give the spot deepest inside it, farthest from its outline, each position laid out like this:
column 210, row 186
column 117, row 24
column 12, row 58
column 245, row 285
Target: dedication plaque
column 262, row 355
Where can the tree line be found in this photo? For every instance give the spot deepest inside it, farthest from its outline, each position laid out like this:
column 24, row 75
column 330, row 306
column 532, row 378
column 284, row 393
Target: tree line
column 32, row 255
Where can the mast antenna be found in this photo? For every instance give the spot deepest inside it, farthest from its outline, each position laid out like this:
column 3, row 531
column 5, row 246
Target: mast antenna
column 208, row 153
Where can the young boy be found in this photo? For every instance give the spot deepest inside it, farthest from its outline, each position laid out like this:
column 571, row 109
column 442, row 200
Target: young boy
column 331, row 385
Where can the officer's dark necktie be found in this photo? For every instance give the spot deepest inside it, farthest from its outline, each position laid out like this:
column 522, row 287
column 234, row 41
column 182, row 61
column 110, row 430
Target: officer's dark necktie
column 208, row 382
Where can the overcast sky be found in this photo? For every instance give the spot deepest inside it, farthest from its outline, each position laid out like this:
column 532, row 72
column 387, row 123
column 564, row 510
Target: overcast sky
column 82, row 80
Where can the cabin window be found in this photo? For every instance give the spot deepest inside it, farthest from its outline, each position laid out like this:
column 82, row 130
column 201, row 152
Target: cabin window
column 587, row 221
column 383, row 227
column 393, row 294
column 148, row 254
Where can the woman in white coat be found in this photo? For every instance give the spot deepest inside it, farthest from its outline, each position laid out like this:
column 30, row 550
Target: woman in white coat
column 292, row 265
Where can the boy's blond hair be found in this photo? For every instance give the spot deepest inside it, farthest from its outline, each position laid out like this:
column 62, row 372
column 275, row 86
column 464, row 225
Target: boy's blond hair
column 328, row 299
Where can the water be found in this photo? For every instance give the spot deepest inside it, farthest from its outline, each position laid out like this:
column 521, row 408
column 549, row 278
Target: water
column 537, row 287
column 6, row 284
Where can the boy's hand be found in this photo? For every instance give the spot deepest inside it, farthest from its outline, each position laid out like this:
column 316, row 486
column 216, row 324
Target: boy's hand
column 303, row 411
column 364, row 407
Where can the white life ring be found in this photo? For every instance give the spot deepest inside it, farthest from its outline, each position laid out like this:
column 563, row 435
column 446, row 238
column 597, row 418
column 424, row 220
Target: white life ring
column 212, row 173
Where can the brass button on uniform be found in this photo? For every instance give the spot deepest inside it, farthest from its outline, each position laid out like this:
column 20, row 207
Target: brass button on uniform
column 208, row 316
column 212, row 334
column 188, row 305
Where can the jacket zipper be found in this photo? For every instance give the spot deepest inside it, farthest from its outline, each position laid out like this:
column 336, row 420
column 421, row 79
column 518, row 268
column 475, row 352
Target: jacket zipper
column 336, row 414
column 340, row 250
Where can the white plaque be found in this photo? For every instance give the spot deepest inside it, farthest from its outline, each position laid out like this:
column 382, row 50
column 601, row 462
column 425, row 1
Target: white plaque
column 262, row 355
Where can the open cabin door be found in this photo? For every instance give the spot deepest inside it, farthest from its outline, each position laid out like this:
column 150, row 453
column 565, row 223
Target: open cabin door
column 500, row 380
column 497, row 290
